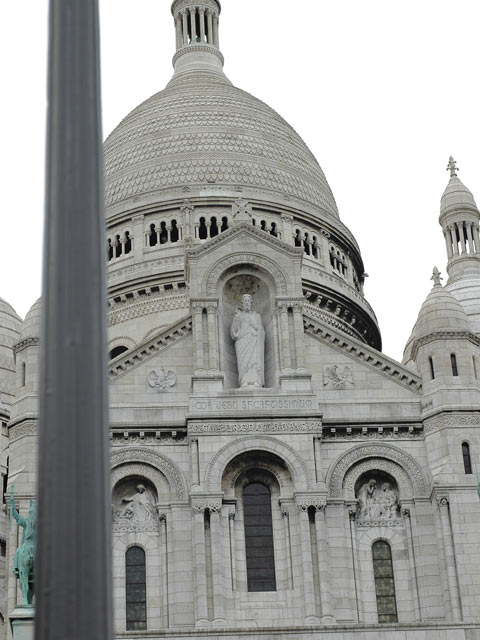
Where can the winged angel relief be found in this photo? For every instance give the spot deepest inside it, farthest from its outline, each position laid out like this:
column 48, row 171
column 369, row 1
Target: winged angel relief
column 160, row 379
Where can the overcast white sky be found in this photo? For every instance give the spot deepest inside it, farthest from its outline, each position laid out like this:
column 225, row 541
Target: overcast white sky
column 382, row 91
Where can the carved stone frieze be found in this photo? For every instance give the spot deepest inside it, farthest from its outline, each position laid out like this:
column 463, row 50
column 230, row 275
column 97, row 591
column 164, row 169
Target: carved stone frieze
column 23, row 344
column 21, row 430
column 242, row 210
column 148, row 306
column 372, row 432
column 338, row 474
column 452, row 420
column 256, row 426
column 157, row 461
column 212, row 506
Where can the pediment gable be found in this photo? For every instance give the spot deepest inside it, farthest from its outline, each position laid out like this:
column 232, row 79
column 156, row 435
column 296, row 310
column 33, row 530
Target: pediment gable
column 152, row 347
column 363, row 354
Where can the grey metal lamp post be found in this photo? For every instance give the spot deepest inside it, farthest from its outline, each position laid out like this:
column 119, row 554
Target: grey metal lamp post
column 73, row 576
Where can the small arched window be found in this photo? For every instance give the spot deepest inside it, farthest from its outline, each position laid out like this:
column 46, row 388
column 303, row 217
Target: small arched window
column 174, row 235
column 298, row 238
column 152, row 236
column 163, row 233
column 128, row 242
column 109, row 250
column 136, row 589
column 432, row 369
column 474, row 362
column 453, row 360
column 202, row 230
column 117, row 351
column 273, row 229
column 224, row 224
column 257, row 510
column 467, row 461
column 118, row 247
column 384, row 582
column 24, row 374
column 213, row 227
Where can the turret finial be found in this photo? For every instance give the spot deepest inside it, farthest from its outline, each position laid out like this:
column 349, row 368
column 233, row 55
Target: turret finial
column 452, row 167
column 436, row 277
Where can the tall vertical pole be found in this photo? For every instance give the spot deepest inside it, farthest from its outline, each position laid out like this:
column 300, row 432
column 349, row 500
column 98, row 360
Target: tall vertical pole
column 73, row 576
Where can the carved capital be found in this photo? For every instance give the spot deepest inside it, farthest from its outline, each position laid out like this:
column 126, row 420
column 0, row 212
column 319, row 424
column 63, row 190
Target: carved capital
column 162, row 516
column 406, row 513
column 352, row 513
column 317, row 503
column 443, row 501
column 138, row 219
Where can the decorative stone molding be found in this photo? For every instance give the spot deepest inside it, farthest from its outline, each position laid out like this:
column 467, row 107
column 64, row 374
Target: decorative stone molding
column 165, row 340
column 157, row 303
column 256, row 426
column 452, row 420
column 298, row 468
column 364, row 354
column 181, row 5
column 23, row 344
column 337, row 474
column 198, row 47
column 21, row 430
column 444, row 335
column 238, row 259
column 304, row 503
column 211, row 505
column 373, row 432
column 157, row 461
column 241, row 211
column 142, row 470
column 378, row 464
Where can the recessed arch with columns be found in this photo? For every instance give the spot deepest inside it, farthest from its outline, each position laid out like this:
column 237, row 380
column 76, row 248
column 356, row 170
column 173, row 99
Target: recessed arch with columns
column 265, row 265
column 297, row 466
column 393, row 460
column 132, row 455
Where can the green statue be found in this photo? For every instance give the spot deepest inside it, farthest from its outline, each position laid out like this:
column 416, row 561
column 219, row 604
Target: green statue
column 24, row 562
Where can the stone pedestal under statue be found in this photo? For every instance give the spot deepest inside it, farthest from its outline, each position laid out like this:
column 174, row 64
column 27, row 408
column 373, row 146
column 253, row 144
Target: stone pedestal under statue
column 22, row 621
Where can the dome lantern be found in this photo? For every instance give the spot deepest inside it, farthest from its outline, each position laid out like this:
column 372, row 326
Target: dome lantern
column 196, row 35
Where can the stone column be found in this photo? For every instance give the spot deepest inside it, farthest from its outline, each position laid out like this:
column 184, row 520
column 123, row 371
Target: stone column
column 286, row 362
column 231, row 527
column 217, row 565
column 210, row 26
column 178, row 31
column 444, row 507
column 201, row 14
column 356, row 571
column 288, row 550
column 462, row 237
column 193, row 24
column 162, row 516
column 185, row 26
column 452, row 231
column 470, row 238
column 216, row 40
column 306, row 547
column 287, row 232
column 299, row 335
column 198, row 538
column 413, row 569
column 323, row 565
column 476, row 237
column 317, row 440
column 212, row 335
column 194, row 461
column 197, row 309
column 138, row 245
column 448, row 242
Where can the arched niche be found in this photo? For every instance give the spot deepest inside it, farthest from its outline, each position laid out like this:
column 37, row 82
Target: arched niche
column 255, row 466
column 236, row 282
column 134, row 500
column 377, row 495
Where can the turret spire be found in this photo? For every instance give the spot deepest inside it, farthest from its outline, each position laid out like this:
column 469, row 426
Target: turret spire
column 436, row 277
column 452, row 167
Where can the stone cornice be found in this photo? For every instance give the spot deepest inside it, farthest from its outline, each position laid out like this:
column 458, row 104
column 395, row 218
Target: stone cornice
column 364, row 354
column 214, row 5
column 23, row 344
column 193, row 48
column 166, row 339
column 444, row 335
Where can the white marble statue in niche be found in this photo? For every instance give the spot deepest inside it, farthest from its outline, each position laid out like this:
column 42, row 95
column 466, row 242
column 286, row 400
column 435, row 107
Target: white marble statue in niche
column 138, row 507
column 249, row 336
column 375, row 504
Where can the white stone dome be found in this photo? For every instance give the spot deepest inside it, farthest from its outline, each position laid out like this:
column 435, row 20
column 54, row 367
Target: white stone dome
column 31, row 324
column 440, row 312
column 456, row 196
column 10, row 325
column 467, row 292
column 10, row 321
column 202, row 131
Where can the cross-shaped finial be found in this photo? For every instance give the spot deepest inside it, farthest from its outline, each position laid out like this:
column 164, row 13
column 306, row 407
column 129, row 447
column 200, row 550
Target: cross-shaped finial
column 452, row 167
column 436, row 277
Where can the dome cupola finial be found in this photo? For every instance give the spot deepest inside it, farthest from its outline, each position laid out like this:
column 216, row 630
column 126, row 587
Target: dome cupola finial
column 197, row 37
column 436, row 277
column 452, row 167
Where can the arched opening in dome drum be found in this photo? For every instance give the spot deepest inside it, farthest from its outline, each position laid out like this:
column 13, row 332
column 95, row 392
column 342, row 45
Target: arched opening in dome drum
column 128, row 242
column 118, row 247
column 213, row 227
column 202, row 230
column 174, row 235
column 432, row 368
column 314, row 247
column 224, row 224
column 152, row 237
column 298, row 238
column 109, row 250
column 117, row 351
column 306, row 244
column 163, row 233
column 273, row 229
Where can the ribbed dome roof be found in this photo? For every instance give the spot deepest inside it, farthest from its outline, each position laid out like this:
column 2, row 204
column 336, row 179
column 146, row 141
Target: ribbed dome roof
column 203, row 130
column 456, row 195
column 9, row 319
column 440, row 312
column 31, row 324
